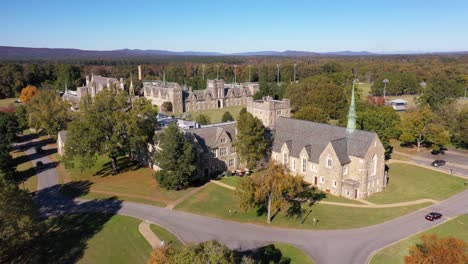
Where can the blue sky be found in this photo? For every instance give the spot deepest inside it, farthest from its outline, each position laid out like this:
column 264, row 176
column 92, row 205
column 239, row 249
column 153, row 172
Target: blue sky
column 236, row 26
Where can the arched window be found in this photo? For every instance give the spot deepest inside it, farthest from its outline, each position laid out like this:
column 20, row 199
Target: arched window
column 374, row 165
column 304, row 165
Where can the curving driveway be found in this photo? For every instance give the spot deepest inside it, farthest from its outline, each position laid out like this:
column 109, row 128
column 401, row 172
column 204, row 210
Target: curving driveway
column 333, row 246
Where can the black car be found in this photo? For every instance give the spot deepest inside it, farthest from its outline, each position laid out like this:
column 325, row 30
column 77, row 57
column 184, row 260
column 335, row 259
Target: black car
column 433, row 216
column 39, row 165
column 438, row 163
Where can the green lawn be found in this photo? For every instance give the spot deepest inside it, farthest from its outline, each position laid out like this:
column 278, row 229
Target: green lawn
column 395, row 253
column 231, row 180
column 166, row 236
column 8, row 101
column 409, row 182
column 216, row 115
column 296, row 255
column 25, row 171
column 234, row 181
column 365, row 89
column 216, row 201
column 119, row 241
column 133, row 183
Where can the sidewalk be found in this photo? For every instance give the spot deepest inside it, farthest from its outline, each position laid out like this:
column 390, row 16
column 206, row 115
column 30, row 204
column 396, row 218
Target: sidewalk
column 366, row 204
column 148, row 234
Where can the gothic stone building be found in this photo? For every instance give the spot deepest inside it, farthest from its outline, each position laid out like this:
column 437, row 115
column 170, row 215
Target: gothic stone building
column 215, row 148
column 92, row 87
column 268, row 110
column 341, row 163
column 218, row 94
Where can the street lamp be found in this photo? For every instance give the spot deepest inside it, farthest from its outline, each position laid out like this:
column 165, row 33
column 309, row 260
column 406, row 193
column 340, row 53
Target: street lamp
column 278, row 78
column 385, row 81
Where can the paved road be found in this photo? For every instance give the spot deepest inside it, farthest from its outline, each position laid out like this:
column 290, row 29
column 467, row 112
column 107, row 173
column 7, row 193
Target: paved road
column 334, row 246
column 456, row 161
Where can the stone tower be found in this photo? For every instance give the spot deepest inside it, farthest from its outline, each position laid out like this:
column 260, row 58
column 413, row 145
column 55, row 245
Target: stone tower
column 351, row 115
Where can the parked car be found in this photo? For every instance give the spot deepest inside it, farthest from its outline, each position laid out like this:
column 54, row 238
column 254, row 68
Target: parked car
column 433, row 216
column 39, row 149
column 438, row 163
column 39, row 165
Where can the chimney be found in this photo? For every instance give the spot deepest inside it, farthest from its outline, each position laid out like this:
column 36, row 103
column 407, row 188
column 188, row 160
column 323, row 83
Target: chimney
column 190, row 88
column 87, row 80
column 139, row 72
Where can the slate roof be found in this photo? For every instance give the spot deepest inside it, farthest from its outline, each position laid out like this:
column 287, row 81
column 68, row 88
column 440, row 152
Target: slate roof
column 98, row 79
column 207, row 137
column 298, row 134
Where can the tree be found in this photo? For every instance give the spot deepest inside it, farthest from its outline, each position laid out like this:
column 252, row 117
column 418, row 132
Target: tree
column 206, row 252
column 176, row 158
column 461, row 128
column 140, row 123
column 27, row 93
column 383, row 120
column 47, row 111
column 252, row 142
column 433, row 249
column 203, row 119
column 272, row 190
column 227, row 117
column 167, row 107
column 22, row 118
column 423, row 127
column 8, row 130
column 312, row 113
column 19, row 222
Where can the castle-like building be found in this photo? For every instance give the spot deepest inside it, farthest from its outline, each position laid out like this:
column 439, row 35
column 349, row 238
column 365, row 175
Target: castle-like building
column 268, row 110
column 93, row 85
column 343, row 161
column 217, row 94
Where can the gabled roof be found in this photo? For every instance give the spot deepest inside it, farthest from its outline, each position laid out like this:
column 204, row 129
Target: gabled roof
column 208, row 136
column 316, row 136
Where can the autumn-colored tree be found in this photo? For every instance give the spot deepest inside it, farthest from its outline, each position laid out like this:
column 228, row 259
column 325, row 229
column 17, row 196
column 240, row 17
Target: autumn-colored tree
column 438, row 250
column 273, row 190
column 423, row 126
column 27, row 93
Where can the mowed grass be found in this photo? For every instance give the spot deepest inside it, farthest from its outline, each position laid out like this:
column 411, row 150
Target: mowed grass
column 8, row 101
column 217, row 201
column 296, row 255
column 133, row 183
column 234, row 181
column 365, row 89
column 119, row 241
column 409, row 182
column 216, row 115
column 25, row 171
column 166, row 236
column 395, row 254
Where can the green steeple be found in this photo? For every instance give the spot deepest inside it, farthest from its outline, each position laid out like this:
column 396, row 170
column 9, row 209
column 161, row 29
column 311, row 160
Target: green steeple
column 351, row 115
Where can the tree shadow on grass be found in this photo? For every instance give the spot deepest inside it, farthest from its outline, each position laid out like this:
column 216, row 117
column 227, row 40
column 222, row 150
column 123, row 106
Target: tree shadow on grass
column 265, row 255
column 124, row 164
column 69, row 224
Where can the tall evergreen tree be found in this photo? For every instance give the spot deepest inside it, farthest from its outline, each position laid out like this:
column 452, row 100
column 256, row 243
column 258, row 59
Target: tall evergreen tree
column 252, row 141
column 176, row 158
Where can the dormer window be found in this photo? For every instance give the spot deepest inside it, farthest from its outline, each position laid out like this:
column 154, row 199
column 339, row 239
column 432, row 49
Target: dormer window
column 223, row 140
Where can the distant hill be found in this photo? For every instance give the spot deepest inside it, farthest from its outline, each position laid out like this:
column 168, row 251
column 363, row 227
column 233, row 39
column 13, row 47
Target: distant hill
column 23, row 53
